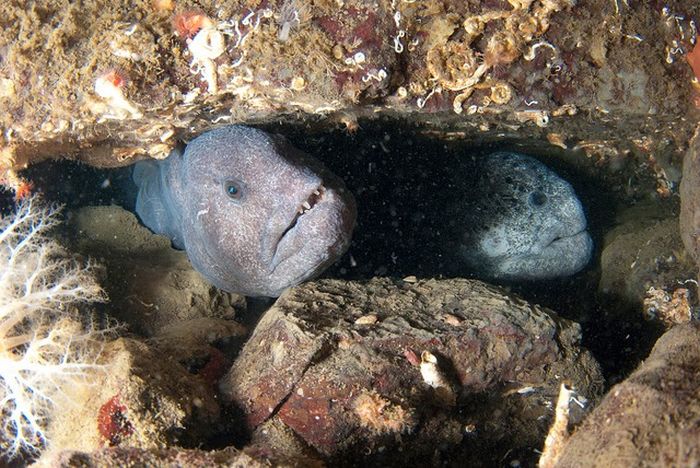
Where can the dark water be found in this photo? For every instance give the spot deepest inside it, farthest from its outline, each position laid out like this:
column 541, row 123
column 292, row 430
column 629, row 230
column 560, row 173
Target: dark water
column 399, row 178
column 402, row 180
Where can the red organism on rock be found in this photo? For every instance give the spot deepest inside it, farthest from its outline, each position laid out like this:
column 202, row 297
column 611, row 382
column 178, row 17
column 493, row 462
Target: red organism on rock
column 23, row 190
column 189, row 23
column 411, row 357
column 693, row 59
column 115, row 77
column 112, row 422
column 215, row 368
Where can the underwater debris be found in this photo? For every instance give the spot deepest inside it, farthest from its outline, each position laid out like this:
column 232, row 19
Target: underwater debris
column 558, row 433
column 670, row 309
column 435, row 377
column 110, row 87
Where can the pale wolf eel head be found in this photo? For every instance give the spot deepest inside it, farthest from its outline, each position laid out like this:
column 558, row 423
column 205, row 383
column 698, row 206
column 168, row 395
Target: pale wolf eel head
column 261, row 216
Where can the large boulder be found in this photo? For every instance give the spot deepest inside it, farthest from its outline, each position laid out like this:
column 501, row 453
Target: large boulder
column 435, row 367
column 690, row 198
column 643, row 253
column 650, row 419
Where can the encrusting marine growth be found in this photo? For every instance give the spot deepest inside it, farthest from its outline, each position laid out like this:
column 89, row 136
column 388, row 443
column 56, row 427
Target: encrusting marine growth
column 44, row 346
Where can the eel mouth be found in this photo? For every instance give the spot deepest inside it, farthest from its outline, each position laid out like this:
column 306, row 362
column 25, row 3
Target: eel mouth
column 563, row 256
column 568, row 238
column 287, row 245
column 313, row 199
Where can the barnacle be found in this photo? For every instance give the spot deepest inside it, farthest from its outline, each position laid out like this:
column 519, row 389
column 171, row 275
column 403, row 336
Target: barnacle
column 501, row 93
column 502, row 48
column 452, row 65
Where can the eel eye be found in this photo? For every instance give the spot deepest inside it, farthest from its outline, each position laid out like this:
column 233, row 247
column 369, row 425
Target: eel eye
column 537, row 198
column 233, row 189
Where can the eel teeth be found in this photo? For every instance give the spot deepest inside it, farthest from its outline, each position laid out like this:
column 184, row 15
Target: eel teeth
column 313, row 199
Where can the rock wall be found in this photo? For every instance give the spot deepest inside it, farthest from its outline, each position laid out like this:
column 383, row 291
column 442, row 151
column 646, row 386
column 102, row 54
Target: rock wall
column 108, row 82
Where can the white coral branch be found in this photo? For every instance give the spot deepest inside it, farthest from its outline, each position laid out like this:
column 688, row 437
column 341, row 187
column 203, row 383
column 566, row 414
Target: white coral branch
column 43, row 347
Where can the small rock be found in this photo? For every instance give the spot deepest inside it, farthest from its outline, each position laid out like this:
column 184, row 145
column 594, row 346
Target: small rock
column 642, row 253
column 144, row 400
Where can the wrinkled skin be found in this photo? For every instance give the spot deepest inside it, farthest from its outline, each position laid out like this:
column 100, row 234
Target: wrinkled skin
column 254, row 214
column 521, row 222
